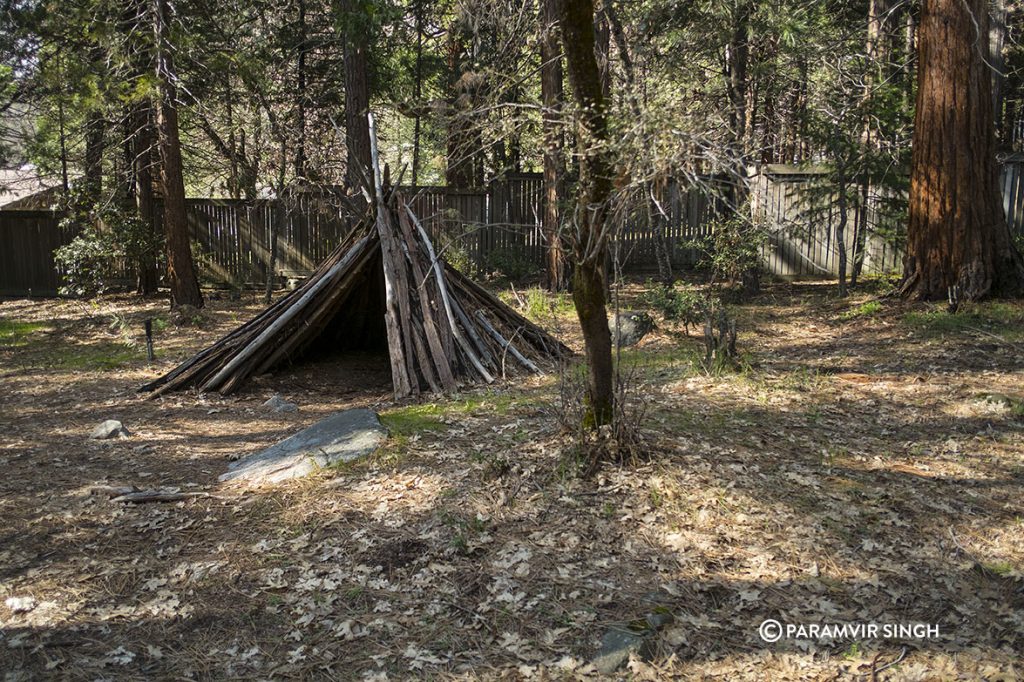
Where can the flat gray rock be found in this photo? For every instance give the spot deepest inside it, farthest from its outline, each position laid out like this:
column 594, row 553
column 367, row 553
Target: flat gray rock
column 111, row 428
column 617, row 644
column 622, row 639
column 342, row 437
column 278, row 404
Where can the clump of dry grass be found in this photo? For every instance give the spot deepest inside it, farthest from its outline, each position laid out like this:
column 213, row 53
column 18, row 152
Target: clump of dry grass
column 622, row 441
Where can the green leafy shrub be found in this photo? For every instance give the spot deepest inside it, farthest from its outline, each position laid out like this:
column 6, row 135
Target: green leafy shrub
column 511, row 263
column 108, row 238
column 732, row 253
column 687, row 306
column 543, row 305
column 455, row 254
column 87, row 263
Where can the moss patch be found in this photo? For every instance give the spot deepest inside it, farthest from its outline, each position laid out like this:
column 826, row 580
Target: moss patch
column 407, row 421
column 866, row 309
column 1000, row 318
column 100, row 356
column 16, row 333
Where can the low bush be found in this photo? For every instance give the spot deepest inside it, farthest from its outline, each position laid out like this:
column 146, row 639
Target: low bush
column 513, row 264
column 731, row 252
column 686, row 306
column 108, row 239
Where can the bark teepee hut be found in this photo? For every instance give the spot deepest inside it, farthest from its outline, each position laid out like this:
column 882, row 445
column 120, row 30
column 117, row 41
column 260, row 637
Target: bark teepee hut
column 385, row 281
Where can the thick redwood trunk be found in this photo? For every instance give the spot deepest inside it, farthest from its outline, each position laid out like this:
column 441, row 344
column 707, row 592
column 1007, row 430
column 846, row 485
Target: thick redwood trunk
column 554, row 143
column 589, row 236
column 957, row 235
column 357, row 98
column 181, row 273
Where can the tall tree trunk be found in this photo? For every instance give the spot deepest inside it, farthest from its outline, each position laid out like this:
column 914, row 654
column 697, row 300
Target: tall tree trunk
column 357, row 98
column 95, row 126
column 910, row 54
column 144, row 161
column 743, row 99
column 770, row 130
column 957, row 235
column 590, row 235
column 878, row 46
column 300, row 85
column 736, row 60
column 62, row 133
column 465, row 154
column 280, row 215
column 181, row 272
column 603, row 48
column 554, row 143
column 860, row 229
column 126, row 173
column 841, row 186
column 418, row 94
column 879, row 38
column 657, row 218
column 139, row 147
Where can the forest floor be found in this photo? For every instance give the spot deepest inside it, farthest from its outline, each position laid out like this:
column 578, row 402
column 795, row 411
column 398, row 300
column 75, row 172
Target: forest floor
column 865, row 466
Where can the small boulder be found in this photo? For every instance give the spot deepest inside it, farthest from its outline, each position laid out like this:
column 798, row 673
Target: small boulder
column 631, row 326
column 621, row 640
column 278, row 404
column 111, row 428
column 617, row 644
column 20, row 604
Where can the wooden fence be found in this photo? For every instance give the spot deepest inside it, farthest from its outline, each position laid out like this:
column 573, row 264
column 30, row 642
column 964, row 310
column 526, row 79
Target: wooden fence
column 799, row 212
column 231, row 239
column 27, row 242
column 486, row 228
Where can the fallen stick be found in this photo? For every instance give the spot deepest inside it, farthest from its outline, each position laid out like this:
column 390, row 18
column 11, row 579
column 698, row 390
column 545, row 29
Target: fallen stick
column 519, row 300
column 874, row 662
column 157, row 496
column 113, row 490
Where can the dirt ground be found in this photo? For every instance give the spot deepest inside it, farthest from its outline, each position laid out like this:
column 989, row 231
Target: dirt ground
column 864, row 466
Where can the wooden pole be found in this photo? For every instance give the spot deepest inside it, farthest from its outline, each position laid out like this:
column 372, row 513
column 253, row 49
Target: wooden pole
column 400, row 375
